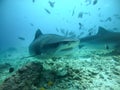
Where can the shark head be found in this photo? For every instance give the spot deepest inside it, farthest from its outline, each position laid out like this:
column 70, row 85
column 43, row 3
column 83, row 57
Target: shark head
column 52, row 45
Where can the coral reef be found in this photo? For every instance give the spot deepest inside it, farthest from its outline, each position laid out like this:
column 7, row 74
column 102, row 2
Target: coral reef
column 90, row 69
column 24, row 78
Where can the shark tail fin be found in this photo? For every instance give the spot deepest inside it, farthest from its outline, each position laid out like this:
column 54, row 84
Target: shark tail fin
column 38, row 33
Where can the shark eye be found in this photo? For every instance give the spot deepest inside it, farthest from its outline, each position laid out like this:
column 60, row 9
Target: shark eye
column 69, row 43
column 65, row 42
column 55, row 45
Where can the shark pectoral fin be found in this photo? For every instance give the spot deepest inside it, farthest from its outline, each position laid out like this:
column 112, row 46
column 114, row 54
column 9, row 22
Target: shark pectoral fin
column 38, row 34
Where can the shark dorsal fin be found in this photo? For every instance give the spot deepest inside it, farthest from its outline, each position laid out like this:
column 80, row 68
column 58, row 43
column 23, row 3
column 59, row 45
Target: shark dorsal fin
column 102, row 31
column 38, row 33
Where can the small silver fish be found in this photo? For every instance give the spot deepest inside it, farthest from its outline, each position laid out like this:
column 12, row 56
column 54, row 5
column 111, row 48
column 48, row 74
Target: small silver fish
column 95, row 2
column 21, row 38
column 80, row 15
column 51, row 4
column 33, row 1
column 47, row 11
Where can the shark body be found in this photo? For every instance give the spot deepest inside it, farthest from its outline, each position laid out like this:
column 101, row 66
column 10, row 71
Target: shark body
column 103, row 37
column 52, row 45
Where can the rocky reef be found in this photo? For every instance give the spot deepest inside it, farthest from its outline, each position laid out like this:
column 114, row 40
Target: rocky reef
column 90, row 69
column 24, row 78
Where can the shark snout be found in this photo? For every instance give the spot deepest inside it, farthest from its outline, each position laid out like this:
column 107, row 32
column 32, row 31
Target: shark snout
column 67, row 47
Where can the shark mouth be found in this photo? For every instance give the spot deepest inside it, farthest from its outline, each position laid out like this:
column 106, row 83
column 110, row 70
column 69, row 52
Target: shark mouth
column 67, row 48
column 60, row 49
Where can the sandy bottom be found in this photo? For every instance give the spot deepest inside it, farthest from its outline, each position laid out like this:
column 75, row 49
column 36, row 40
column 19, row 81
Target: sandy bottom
column 88, row 69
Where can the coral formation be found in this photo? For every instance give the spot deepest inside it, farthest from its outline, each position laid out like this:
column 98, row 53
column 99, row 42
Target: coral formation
column 24, row 78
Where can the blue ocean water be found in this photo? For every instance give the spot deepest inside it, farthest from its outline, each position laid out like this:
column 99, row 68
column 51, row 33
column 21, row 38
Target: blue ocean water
column 21, row 18
column 95, row 23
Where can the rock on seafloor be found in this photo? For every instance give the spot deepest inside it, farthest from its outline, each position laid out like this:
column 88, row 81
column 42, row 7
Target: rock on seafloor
column 24, row 78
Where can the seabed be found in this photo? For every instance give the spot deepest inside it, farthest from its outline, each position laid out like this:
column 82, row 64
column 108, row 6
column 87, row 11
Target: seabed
column 88, row 69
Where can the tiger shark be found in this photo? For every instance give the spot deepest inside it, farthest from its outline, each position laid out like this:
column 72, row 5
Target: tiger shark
column 52, row 45
column 103, row 37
